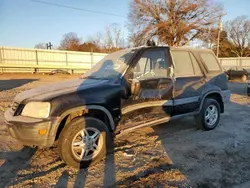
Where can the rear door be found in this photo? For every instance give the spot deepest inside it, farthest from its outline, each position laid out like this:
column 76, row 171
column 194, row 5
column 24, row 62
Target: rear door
column 189, row 80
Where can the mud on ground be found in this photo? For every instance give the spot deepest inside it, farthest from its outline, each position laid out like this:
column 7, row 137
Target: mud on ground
column 170, row 155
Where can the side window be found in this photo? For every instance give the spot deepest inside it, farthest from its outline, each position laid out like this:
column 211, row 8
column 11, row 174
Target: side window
column 183, row 63
column 152, row 64
column 197, row 70
column 210, row 61
column 143, row 65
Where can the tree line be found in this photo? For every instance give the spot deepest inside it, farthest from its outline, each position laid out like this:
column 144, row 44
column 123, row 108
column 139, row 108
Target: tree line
column 110, row 40
column 173, row 23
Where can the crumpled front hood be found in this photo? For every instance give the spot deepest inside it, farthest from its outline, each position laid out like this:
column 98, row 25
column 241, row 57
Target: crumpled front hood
column 53, row 90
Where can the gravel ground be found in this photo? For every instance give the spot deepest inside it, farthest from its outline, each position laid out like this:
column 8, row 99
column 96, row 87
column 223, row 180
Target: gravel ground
column 170, row 155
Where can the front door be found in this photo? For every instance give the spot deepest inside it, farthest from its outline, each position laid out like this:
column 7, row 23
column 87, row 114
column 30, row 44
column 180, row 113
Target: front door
column 154, row 99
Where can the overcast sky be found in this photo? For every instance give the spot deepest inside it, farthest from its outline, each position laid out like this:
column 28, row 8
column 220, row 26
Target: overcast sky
column 24, row 23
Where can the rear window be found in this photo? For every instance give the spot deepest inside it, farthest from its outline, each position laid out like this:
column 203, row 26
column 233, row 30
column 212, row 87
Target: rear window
column 210, row 61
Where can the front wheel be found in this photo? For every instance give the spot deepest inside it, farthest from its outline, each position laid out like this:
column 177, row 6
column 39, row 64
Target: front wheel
column 84, row 142
column 209, row 116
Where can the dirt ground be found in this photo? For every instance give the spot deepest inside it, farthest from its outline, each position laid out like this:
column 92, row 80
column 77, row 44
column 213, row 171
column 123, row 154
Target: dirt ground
column 170, row 155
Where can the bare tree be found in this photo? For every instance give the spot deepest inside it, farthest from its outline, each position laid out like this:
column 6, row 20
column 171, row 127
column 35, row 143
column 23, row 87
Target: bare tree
column 239, row 35
column 209, row 38
column 173, row 22
column 41, row 46
column 110, row 40
column 70, row 41
column 116, row 30
column 89, row 47
column 96, row 40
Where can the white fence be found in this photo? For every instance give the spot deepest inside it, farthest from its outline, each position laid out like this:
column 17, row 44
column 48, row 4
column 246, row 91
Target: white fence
column 26, row 60
column 235, row 63
column 45, row 60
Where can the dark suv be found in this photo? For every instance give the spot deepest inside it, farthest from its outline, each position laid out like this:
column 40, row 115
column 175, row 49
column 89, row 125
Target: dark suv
column 128, row 89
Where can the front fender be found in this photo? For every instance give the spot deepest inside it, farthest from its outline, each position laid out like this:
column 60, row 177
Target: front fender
column 90, row 107
column 85, row 108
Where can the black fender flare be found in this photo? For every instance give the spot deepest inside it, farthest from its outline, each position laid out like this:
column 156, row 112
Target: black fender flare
column 106, row 111
column 208, row 93
column 83, row 108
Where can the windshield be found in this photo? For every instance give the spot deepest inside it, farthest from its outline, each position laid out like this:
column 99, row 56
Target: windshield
column 110, row 66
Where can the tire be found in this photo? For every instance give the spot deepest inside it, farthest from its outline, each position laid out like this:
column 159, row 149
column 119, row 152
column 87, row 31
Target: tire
column 201, row 120
column 74, row 132
column 248, row 91
column 244, row 78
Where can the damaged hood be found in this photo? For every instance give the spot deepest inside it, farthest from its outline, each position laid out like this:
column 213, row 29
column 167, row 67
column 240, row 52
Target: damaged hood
column 50, row 91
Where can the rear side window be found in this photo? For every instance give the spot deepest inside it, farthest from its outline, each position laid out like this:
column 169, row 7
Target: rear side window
column 183, row 63
column 210, row 61
column 197, row 70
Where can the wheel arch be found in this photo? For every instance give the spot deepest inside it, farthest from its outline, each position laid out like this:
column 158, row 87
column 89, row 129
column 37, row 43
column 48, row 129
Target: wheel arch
column 214, row 95
column 73, row 113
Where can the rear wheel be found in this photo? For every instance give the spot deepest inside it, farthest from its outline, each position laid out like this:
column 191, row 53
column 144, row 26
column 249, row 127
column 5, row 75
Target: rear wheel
column 244, row 78
column 84, row 142
column 248, row 91
column 209, row 116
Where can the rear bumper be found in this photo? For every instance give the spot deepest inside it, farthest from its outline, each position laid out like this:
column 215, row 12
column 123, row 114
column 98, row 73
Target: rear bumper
column 226, row 94
column 26, row 130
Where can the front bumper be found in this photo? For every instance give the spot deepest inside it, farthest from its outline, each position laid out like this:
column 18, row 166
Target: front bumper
column 26, row 130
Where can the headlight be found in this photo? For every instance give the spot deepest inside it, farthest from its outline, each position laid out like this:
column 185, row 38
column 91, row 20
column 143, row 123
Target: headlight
column 36, row 109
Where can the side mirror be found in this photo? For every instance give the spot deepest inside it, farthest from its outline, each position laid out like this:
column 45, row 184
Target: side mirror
column 135, row 87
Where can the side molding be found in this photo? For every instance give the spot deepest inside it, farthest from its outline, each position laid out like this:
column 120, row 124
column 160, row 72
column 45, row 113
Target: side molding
column 146, row 105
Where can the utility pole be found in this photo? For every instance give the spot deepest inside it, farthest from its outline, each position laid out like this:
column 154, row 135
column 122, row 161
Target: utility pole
column 220, row 27
column 49, row 45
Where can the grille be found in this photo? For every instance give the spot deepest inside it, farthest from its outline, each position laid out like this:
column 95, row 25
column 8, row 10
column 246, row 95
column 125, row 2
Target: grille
column 14, row 107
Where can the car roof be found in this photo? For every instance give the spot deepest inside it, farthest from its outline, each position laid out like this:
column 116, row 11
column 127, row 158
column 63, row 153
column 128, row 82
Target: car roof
column 191, row 49
column 173, row 48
